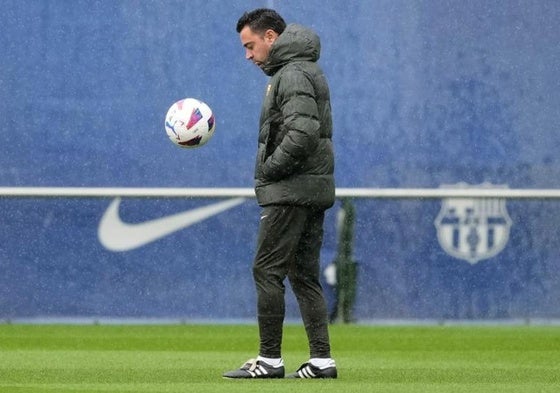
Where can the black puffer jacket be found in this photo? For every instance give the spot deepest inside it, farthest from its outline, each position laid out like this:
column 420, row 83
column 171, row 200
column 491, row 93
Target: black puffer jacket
column 295, row 160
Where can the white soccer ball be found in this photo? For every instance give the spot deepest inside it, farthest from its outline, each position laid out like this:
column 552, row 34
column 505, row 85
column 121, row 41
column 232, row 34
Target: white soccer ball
column 190, row 123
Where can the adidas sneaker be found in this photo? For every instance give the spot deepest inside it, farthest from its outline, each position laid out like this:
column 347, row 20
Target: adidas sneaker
column 307, row 370
column 256, row 369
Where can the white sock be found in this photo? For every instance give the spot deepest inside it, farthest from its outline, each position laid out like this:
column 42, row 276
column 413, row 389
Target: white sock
column 322, row 363
column 274, row 362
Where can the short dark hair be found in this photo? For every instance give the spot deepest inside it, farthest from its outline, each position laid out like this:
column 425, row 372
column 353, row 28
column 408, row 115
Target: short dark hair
column 260, row 20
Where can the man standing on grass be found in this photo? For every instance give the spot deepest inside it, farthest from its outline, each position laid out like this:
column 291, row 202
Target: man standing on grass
column 294, row 186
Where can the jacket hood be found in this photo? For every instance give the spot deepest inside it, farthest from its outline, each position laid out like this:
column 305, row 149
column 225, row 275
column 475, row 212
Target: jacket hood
column 296, row 43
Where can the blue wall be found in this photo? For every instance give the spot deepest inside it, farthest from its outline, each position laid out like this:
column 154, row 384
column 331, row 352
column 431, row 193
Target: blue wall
column 424, row 93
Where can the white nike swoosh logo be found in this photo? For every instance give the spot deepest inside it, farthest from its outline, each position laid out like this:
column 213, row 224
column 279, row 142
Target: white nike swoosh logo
column 116, row 235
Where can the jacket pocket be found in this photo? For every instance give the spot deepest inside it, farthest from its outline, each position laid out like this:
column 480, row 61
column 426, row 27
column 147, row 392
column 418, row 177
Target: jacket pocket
column 276, row 133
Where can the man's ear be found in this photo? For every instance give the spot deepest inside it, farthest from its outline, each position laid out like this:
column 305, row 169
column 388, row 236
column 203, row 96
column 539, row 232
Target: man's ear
column 270, row 36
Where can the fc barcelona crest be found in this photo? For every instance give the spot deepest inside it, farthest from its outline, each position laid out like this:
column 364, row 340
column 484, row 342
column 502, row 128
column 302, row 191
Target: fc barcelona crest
column 473, row 228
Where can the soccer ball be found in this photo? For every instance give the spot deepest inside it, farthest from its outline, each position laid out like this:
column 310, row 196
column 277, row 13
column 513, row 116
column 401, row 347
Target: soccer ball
column 190, row 123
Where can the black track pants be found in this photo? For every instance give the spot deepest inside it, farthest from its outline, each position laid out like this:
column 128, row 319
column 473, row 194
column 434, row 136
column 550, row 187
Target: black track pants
column 289, row 244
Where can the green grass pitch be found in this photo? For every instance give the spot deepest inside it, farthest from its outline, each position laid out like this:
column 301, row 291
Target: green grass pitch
column 191, row 358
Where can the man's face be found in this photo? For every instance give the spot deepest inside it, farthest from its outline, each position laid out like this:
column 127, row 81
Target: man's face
column 257, row 45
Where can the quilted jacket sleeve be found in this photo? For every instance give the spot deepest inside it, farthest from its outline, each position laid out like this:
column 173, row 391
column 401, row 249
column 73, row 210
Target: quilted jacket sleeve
column 298, row 136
